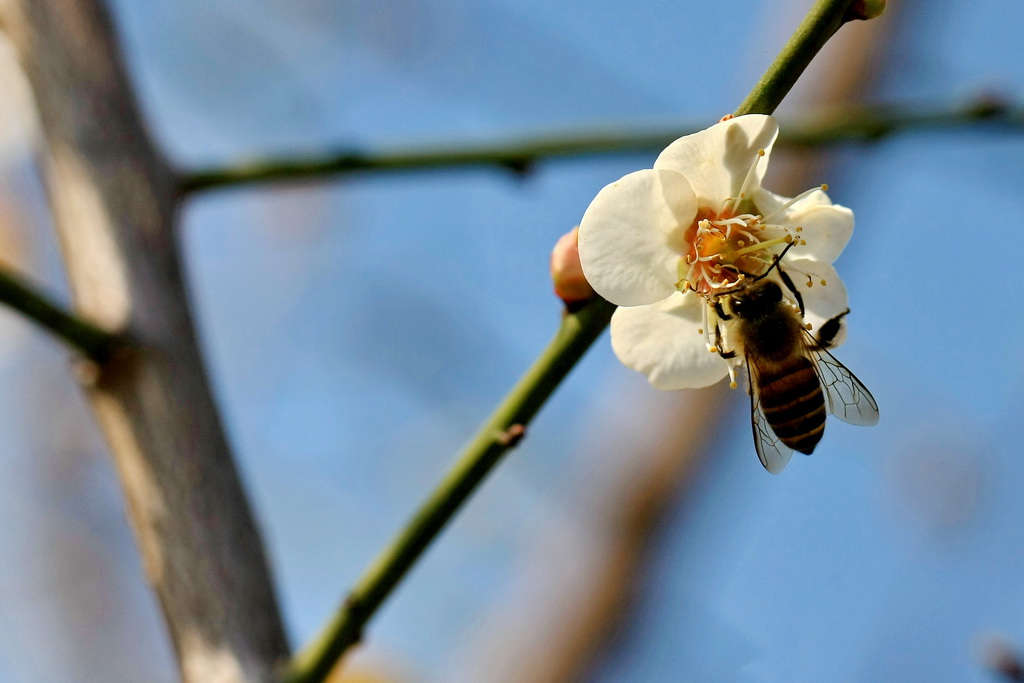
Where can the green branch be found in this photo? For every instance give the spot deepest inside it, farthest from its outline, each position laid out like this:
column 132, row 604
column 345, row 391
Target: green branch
column 94, row 342
column 502, row 431
column 862, row 124
column 820, row 24
column 507, row 424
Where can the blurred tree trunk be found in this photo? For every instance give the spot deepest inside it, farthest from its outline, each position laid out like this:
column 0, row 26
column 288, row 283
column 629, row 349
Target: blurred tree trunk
column 114, row 202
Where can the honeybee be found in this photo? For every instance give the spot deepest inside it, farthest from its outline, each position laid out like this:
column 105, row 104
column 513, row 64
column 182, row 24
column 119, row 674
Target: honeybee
column 792, row 378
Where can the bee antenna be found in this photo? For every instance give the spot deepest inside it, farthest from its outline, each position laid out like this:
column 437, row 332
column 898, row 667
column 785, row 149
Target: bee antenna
column 755, row 278
column 775, row 262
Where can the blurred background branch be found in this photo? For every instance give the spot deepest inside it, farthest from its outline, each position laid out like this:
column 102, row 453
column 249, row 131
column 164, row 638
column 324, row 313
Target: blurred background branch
column 828, row 125
column 94, row 342
column 997, row 654
column 837, row 123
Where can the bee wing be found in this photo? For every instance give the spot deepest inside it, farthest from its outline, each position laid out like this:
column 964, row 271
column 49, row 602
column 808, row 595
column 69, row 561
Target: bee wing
column 774, row 454
column 848, row 398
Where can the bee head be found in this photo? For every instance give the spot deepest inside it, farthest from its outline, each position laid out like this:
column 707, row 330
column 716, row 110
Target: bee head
column 756, row 299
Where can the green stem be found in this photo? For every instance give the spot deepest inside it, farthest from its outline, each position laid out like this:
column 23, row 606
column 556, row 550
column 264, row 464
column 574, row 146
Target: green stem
column 506, row 425
column 820, row 24
column 94, row 342
column 502, row 431
column 860, row 123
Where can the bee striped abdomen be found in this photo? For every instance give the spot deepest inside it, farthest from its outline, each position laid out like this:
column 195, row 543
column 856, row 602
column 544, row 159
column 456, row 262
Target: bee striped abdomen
column 794, row 404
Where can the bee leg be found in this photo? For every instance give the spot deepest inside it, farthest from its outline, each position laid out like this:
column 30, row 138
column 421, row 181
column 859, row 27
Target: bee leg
column 718, row 343
column 829, row 330
column 796, row 293
column 722, row 315
column 727, row 355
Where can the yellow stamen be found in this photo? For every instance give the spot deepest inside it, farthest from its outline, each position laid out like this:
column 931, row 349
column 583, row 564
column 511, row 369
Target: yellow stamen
column 732, row 376
column 763, row 245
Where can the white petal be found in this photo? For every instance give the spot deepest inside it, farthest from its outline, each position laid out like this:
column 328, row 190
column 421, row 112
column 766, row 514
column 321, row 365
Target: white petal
column 826, row 226
column 632, row 234
column 716, row 160
column 822, row 302
column 662, row 341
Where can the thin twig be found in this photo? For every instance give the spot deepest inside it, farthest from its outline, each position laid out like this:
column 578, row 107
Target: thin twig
column 574, row 337
column 96, row 343
column 862, row 124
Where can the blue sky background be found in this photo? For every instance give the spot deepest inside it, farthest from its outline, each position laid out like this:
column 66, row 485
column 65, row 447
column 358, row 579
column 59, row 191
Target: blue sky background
column 358, row 329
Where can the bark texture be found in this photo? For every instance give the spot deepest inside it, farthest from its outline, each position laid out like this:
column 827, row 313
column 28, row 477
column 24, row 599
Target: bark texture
column 114, row 203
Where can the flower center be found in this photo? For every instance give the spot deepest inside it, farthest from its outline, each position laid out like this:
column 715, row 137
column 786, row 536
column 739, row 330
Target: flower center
column 722, row 248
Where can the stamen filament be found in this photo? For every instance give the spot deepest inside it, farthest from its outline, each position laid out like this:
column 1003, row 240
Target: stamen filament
column 763, row 245
column 707, row 330
column 747, row 181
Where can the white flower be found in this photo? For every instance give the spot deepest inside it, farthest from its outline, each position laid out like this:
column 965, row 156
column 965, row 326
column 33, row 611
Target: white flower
column 661, row 242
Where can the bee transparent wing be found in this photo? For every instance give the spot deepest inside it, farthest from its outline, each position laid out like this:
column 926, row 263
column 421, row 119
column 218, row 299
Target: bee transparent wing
column 848, row 399
column 774, row 454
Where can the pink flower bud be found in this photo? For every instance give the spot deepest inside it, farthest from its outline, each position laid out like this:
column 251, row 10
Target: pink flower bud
column 567, row 273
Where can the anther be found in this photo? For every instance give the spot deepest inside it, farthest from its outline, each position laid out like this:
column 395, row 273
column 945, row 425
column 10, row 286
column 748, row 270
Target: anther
column 824, row 283
column 732, row 385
